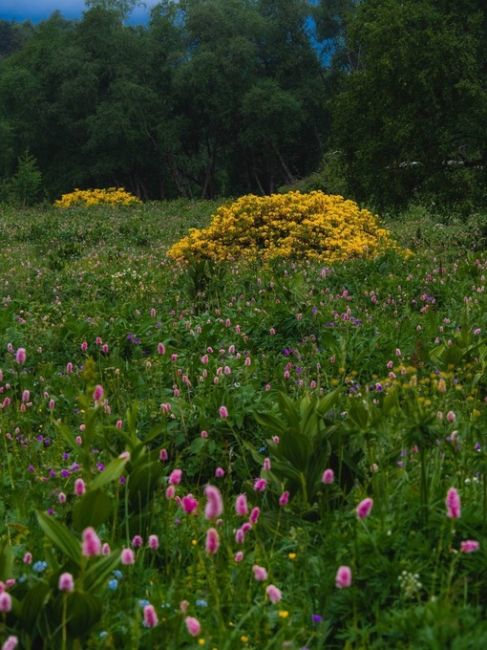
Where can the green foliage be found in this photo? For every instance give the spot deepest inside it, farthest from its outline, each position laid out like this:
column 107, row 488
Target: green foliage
column 25, row 187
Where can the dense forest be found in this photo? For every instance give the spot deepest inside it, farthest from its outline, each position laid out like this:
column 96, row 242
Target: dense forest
column 383, row 100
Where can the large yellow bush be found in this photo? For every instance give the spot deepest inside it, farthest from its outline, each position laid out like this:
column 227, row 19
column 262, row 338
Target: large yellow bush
column 313, row 226
column 108, row 196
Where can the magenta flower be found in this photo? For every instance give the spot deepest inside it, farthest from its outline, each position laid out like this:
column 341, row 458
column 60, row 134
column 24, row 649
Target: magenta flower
column 254, row 515
column 79, row 487
column 91, row 543
column 212, row 541
column 189, row 504
column 137, row 541
column 5, row 602
column 214, row 504
column 273, row 593
column 66, row 582
column 223, row 412
column 260, row 484
column 469, row 546
column 175, row 477
column 219, row 472
column 150, row 616
column 193, row 625
column 453, row 504
column 328, row 477
column 10, row 643
column 364, row 508
column 343, row 577
column 161, row 349
column 241, row 506
column 98, row 393
column 260, row 574
column 20, row 356
column 127, row 556
column 153, row 542
column 284, row 499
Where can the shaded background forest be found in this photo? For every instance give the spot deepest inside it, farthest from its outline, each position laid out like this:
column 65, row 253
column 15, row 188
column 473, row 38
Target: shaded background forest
column 381, row 100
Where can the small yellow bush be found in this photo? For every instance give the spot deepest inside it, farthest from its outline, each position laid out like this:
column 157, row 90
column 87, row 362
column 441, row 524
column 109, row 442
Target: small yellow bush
column 108, row 196
column 313, row 226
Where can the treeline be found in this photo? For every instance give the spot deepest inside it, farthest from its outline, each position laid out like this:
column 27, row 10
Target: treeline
column 385, row 100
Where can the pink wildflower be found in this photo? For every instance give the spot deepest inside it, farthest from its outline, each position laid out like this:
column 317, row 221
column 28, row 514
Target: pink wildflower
column 212, row 541
column 127, row 556
column 150, row 616
column 260, row 574
column 214, row 505
column 241, row 506
column 193, row 625
column 20, row 356
column 328, row 477
column 364, row 508
column 273, row 593
column 175, row 477
column 153, row 542
column 66, row 582
column 453, row 504
column 223, row 412
column 343, row 577
column 469, row 546
column 91, row 543
column 284, row 499
column 189, row 504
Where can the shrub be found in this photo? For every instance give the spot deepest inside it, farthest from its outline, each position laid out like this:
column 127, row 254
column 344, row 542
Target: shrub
column 24, row 188
column 314, row 226
column 108, row 196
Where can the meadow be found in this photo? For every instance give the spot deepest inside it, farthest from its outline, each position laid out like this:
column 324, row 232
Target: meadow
column 239, row 456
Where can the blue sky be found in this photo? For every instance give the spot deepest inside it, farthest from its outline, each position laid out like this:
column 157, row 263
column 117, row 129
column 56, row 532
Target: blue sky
column 37, row 10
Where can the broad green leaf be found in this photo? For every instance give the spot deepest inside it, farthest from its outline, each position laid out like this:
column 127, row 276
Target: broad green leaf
column 60, row 536
column 93, row 509
column 112, row 472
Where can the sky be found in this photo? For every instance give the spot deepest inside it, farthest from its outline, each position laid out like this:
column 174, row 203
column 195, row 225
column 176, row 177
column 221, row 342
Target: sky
column 37, row 10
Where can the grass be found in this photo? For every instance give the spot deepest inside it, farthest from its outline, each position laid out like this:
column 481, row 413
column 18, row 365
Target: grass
column 375, row 370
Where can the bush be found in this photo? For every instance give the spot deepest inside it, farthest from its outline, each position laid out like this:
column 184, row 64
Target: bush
column 108, row 196
column 315, row 226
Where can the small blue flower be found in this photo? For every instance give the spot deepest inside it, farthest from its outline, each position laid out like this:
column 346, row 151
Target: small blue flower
column 118, row 574
column 143, row 602
column 103, row 634
column 112, row 584
column 39, row 566
column 201, row 603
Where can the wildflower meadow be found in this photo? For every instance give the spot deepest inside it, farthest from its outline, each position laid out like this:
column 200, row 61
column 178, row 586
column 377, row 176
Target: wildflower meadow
column 273, row 437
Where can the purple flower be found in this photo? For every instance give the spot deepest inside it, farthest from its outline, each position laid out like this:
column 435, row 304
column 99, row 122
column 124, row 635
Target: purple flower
column 316, row 618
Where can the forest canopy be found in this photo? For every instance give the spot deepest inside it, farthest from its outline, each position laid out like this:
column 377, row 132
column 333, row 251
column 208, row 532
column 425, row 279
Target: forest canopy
column 384, row 100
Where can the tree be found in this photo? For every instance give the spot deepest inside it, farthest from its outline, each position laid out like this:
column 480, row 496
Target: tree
column 122, row 8
column 414, row 106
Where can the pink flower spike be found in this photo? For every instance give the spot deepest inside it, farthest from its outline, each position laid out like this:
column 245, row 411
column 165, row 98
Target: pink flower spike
column 260, row 484
column 254, row 515
column 328, row 477
column 153, row 542
column 239, row 556
column 241, row 506
column 212, row 541
column 150, row 616
column 10, row 643
column 91, row 543
column 66, row 582
column 343, row 577
column 189, row 504
column 219, row 472
column 105, row 549
column 260, row 574
column 284, row 499
column 214, row 505
column 161, row 349
column 193, row 625
column 137, row 541
column 20, row 356
column 364, row 508
column 223, row 412
column 127, row 556
column 98, row 393
column 453, row 504
column 469, row 546
column 273, row 593
column 27, row 559
column 5, row 602
column 175, row 477
column 79, row 487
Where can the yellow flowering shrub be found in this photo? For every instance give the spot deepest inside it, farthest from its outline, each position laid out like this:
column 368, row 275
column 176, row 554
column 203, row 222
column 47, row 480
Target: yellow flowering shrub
column 107, row 196
column 314, row 226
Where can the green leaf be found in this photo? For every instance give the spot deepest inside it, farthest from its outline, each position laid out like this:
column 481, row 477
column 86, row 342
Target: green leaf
column 93, row 509
column 84, row 610
column 112, row 472
column 33, row 603
column 99, row 571
column 60, row 536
